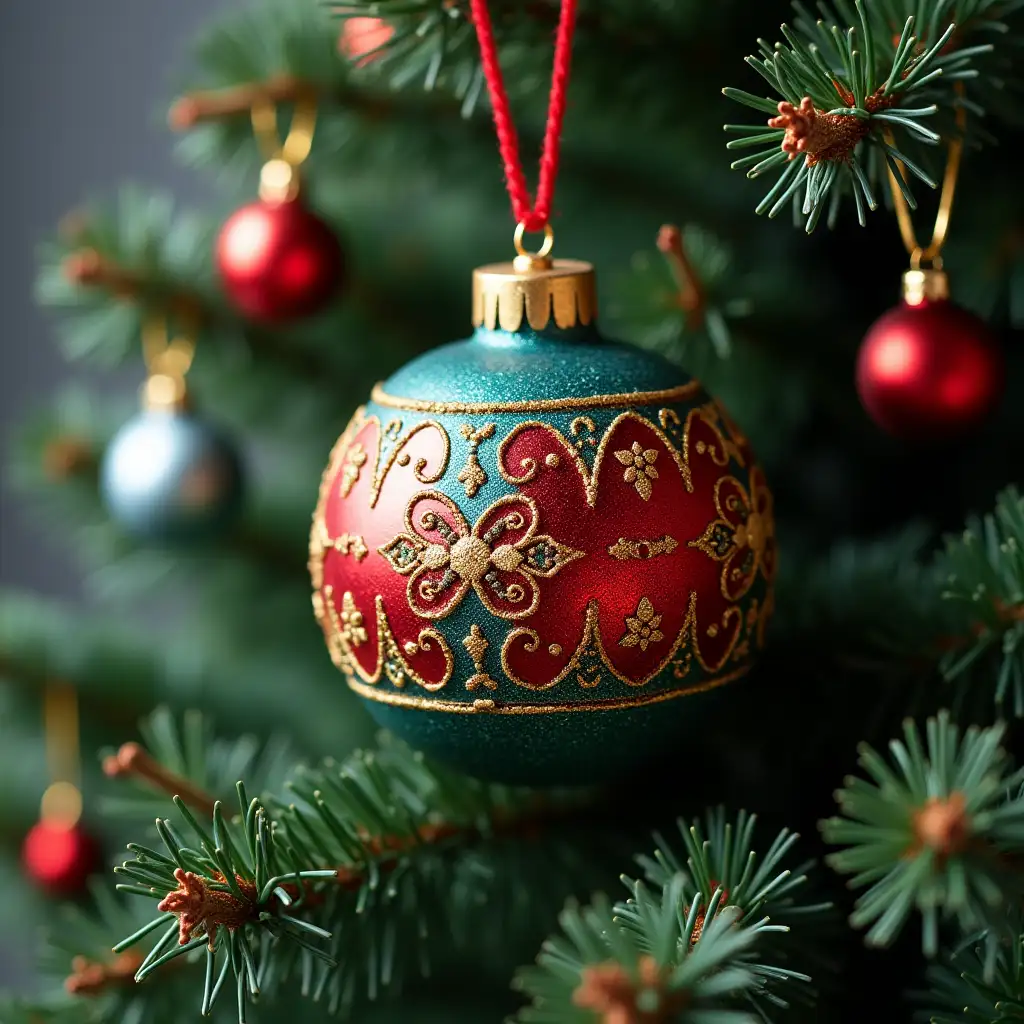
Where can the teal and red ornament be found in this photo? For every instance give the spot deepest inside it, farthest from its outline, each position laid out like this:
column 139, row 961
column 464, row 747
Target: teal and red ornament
column 534, row 549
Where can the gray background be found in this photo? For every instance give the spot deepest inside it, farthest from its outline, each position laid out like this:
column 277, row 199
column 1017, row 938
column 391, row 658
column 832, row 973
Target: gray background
column 84, row 85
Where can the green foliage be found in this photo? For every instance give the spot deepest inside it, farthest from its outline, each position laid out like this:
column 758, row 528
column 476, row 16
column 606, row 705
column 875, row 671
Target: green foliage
column 963, row 991
column 190, row 750
column 678, row 961
column 242, row 862
column 647, row 301
column 984, row 577
column 928, row 831
column 726, row 859
column 851, row 64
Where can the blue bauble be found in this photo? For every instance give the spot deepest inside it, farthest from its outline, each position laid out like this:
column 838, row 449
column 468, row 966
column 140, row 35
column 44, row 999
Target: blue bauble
column 170, row 475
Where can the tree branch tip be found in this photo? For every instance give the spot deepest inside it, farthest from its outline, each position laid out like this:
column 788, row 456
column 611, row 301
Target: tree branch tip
column 215, row 104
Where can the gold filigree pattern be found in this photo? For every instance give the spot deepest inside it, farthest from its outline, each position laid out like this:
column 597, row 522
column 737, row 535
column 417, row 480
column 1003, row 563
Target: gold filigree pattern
column 355, row 459
column 476, row 645
column 742, row 538
column 350, row 544
column 391, row 661
column 642, row 627
column 494, row 707
column 473, row 476
column 500, row 558
column 590, row 659
column 640, row 470
column 624, row 549
column 529, row 468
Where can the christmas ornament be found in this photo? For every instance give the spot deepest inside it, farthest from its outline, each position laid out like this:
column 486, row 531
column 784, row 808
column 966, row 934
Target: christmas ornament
column 57, row 853
column 928, row 368
column 168, row 474
column 59, row 857
column 532, row 545
column 277, row 260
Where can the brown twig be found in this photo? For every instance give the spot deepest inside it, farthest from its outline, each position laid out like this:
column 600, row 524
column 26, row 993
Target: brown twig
column 692, row 298
column 132, row 760
column 213, row 104
column 91, row 978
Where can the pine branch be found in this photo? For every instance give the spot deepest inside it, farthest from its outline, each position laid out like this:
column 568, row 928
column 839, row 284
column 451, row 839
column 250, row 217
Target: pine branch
column 725, row 858
column 984, row 578
column 185, row 758
column 854, row 97
column 369, row 851
column 935, row 831
column 969, row 989
column 677, row 961
column 683, row 302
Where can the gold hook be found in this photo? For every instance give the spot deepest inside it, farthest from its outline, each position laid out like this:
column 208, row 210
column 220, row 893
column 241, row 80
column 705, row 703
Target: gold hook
column 539, row 260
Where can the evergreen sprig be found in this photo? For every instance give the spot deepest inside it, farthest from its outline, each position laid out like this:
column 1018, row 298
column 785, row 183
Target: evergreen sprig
column 186, row 747
column 675, row 962
column 863, row 85
column 968, row 989
column 724, row 857
column 95, row 985
column 984, row 578
column 231, row 890
column 932, row 830
column 650, row 304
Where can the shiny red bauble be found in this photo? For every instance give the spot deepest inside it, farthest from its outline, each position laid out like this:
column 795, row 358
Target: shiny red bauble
column 59, row 857
column 278, row 261
column 929, row 369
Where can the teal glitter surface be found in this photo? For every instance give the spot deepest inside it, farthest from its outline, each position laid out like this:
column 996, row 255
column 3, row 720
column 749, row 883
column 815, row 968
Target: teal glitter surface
column 581, row 744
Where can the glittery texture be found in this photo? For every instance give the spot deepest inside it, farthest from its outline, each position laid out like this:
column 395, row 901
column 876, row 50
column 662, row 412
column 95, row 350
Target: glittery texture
column 578, row 615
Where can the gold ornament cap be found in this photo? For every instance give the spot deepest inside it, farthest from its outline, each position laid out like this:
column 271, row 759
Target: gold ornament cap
column 930, row 285
column 535, row 289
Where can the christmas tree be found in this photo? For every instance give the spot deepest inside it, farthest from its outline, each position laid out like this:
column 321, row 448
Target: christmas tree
column 788, row 789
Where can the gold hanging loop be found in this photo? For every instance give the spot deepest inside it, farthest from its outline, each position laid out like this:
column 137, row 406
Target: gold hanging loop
column 62, row 801
column 279, row 179
column 539, row 260
column 167, row 361
column 930, row 256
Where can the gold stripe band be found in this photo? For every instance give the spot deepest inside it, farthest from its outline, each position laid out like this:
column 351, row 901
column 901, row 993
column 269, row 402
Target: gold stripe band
column 626, row 400
column 491, row 707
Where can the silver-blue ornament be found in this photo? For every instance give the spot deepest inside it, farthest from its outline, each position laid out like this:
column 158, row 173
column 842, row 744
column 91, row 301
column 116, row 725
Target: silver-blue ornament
column 171, row 475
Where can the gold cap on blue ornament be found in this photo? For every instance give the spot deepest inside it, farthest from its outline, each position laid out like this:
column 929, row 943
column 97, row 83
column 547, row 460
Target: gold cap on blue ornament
column 534, row 290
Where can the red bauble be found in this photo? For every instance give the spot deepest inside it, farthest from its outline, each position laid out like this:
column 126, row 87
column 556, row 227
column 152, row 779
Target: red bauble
column 278, row 261
column 928, row 368
column 59, row 857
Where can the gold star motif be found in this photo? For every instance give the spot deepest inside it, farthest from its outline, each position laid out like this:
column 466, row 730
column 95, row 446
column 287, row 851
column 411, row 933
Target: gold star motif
column 640, row 471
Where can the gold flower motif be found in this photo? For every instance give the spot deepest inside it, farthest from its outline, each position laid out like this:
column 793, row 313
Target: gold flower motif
column 640, row 471
column 355, row 459
column 501, row 557
column 351, row 628
column 642, row 627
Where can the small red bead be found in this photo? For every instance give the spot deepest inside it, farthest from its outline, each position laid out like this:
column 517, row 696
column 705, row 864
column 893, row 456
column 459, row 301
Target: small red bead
column 929, row 370
column 59, row 857
column 278, row 261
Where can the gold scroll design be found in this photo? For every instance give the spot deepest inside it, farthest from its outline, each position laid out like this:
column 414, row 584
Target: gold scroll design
column 396, row 453
column 742, row 538
column 715, row 417
column 319, row 542
column 471, row 558
column 391, row 660
column 505, row 300
column 472, row 475
column 529, row 467
column 590, row 659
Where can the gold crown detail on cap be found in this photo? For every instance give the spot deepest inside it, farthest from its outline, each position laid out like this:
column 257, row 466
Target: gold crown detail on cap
column 505, row 295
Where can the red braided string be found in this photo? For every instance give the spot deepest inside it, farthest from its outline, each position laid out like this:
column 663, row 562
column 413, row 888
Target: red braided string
column 534, row 217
